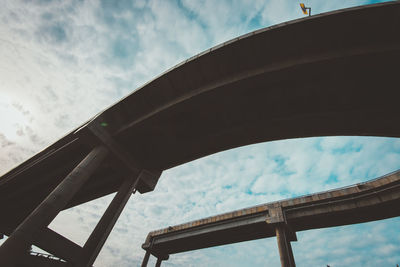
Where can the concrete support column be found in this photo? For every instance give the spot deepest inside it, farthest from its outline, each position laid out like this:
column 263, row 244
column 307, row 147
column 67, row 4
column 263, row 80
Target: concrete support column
column 22, row 238
column 291, row 256
column 158, row 263
column 146, row 259
column 103, row 228
column 284, row 246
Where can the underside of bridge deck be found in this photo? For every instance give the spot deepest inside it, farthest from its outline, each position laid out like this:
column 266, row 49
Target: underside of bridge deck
column 330, row 74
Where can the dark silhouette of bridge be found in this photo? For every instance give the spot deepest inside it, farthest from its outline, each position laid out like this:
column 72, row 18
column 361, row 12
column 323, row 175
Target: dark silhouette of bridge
column 329, row 74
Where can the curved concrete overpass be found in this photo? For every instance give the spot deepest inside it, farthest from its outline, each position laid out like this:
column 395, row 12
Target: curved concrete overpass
column 330, row 74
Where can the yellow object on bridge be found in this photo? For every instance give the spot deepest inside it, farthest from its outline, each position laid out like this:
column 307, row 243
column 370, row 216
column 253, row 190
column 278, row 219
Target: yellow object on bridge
column 304, row 9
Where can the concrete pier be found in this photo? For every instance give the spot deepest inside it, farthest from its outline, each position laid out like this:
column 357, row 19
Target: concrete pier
column 284, row 246
column 146, row 259
column 158, row 263
column 22, row 238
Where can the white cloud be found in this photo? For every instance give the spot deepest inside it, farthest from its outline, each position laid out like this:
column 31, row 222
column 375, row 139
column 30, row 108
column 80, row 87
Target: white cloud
column 219, row 183
column 61, row 62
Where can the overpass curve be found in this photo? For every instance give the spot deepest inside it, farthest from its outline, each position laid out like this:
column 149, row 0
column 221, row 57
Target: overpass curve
column 330, row 74
column 376, row 199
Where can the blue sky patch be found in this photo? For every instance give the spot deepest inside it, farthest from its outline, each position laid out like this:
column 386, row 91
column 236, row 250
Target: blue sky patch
column 92, row 53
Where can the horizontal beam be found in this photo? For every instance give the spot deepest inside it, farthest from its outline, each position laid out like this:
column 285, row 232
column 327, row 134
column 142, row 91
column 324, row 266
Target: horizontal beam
column 148, row 178
column 115, row 149
column 196, row 231
column 57, row 245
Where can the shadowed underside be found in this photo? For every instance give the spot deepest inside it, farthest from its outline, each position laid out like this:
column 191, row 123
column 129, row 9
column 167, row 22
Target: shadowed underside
column 331, row 74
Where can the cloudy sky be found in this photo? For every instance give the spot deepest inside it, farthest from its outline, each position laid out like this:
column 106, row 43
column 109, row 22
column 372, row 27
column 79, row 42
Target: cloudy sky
column 61, row 62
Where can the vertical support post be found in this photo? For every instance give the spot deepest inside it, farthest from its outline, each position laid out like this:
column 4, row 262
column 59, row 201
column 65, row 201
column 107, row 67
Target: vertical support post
column 158, row 263
column 284, row 246
column 103, row 228
column 22, row 237
column 284, row 234
column 291, row 256
column 146, row 259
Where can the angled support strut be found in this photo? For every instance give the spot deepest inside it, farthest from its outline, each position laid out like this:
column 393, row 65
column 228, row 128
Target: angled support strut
column 25, row 234
column 129, row 185
column 103, row 228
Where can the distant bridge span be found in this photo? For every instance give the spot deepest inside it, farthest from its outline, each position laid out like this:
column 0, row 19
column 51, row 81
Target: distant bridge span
column 330, row 74
column 368, row 201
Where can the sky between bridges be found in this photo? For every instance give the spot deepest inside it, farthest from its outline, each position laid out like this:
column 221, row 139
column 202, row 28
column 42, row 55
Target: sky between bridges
column 61, row 62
